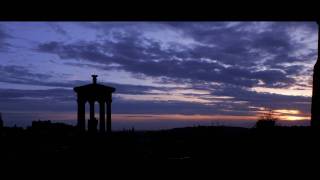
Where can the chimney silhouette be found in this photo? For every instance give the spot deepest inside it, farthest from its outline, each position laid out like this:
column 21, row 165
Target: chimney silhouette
column 315, row 106
column 94, row 79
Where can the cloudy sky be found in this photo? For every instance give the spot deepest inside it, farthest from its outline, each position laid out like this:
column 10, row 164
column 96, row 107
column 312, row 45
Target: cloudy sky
column 166, row 74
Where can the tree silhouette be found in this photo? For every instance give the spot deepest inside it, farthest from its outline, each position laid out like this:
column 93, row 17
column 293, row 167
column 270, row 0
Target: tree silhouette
column 268, row 119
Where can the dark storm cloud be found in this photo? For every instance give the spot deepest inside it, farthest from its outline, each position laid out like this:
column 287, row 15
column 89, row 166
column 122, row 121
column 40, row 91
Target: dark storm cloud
column 39, row 100
column 237, row 56
column 272, row 40
column 293, row 69
column 4, row 36
column 58, row 29
column 274, row 78
column 230, row 54
column 49, row 94
column 23, row 75
column 77, row 51
column 20, row 74
column 131, row 56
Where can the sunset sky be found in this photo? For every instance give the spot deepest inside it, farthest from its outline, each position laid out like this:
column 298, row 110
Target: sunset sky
column 166, row 74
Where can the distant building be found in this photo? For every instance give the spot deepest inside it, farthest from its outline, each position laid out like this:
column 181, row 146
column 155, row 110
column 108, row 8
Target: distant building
column 49, row 127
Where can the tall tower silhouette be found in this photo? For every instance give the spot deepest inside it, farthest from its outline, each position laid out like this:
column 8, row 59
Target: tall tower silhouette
column 1, row 121
column 315, row 107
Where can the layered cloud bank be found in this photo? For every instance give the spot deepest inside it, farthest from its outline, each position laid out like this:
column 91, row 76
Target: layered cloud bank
column 177, row 69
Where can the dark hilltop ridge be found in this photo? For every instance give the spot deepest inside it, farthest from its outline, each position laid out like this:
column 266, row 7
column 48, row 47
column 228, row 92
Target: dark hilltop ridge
column 46, row 142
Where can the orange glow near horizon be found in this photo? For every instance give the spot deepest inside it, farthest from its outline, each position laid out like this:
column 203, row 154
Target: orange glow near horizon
column 294, row 118
column 286, row 114
column 281, row 114
column 198, row 117
column 285, row 91
column 287, row 111
column 179, row 117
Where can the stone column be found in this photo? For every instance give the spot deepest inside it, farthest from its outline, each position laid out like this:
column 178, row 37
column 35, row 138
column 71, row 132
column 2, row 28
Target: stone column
column 81, row 115
column 102, row 117
column 92, row 123
column 91, row 110
column 109, row 116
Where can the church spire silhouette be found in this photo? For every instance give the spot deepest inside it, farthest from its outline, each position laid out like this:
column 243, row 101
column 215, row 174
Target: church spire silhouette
column 315, row 107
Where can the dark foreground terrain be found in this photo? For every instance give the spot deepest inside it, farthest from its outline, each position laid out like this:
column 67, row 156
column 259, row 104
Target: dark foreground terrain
column 219, row 145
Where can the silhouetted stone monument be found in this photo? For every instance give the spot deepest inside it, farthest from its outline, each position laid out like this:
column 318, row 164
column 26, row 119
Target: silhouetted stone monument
column 315, row 107
column 94, row 93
